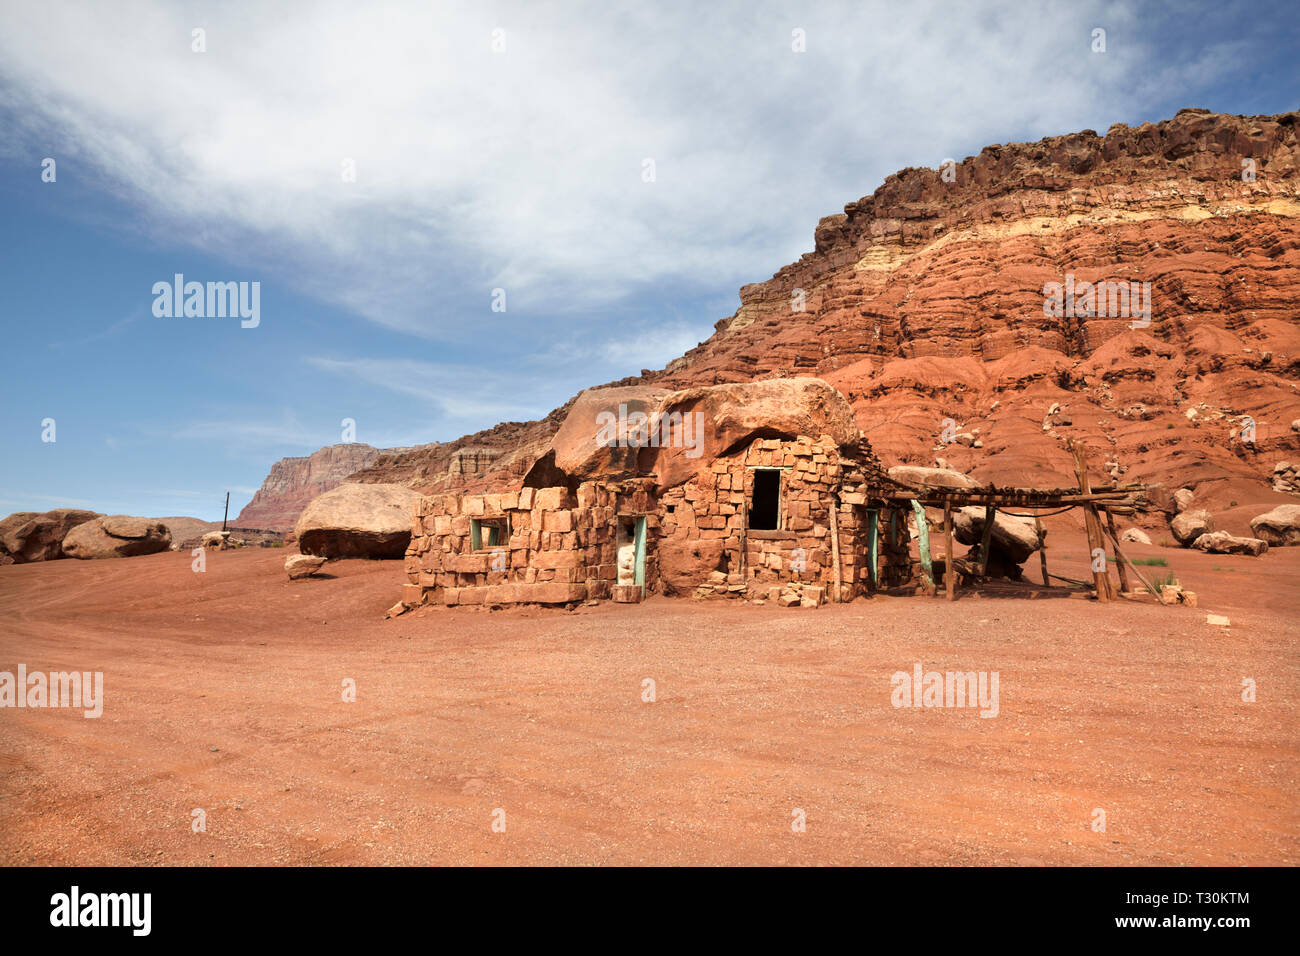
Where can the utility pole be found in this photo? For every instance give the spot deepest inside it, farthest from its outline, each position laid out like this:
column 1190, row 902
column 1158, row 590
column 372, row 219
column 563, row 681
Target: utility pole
column 227, row 513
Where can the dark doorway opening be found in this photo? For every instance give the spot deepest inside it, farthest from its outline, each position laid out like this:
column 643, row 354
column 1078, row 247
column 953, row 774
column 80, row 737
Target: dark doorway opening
column 765, row 503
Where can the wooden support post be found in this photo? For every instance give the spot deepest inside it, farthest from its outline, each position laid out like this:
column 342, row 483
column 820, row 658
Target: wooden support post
column 1123, row 557
column 744, row 539
column 949, row 572
column 1119, row 564
column 835, row 548
column 1042, row 550
column 1100, row 579
column 990, row 512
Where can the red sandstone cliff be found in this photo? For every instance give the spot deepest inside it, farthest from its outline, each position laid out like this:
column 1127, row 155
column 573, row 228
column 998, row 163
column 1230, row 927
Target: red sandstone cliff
column 924, row 303
column 295, row 481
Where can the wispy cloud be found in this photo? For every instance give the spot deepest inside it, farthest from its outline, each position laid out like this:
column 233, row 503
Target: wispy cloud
column 526, row 169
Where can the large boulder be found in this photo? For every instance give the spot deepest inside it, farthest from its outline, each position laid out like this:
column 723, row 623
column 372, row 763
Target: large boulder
column 40, row 537
column 916, row 476
column 116, row 536
column 1190, row 525
column 1220, row 542
column 358, row 520
column 1016, row 537
column 600, row 435
column 1183, row 498
column 1279, row 527
column 686, row 563
column 719, row 419
column 674, row 435
column 1135, row 536
column 11, row 523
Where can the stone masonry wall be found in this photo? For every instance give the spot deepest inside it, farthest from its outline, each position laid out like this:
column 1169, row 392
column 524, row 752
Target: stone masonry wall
column 561, row 547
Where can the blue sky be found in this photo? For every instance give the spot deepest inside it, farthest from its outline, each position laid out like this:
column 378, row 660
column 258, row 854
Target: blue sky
column 519, row 168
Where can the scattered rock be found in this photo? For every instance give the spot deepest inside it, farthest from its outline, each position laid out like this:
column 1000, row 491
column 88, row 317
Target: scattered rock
column 1279, row 527
column 1220, row 542
column 116, row 536
column 1190, row 525
column 1183, row 499
column 303, row 565
column 1135, row 535
column 215, row 540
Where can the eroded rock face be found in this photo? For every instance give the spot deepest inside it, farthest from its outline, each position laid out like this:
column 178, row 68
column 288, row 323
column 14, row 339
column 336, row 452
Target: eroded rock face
column 721, row 418
column 1016, row 537
column 117, row 536
column 595, row 439
column 1279, row 527
column 358, row 521
column 1220, row 542
column 925, row 301
column 294, row 482
column 1190, row 525
column 31, row 536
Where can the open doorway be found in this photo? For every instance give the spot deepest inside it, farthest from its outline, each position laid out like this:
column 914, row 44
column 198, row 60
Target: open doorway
column 765, row 500
column 631, row 551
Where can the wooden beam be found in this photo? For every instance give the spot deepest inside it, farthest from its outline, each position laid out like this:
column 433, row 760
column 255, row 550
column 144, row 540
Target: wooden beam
column 1123, row 557
column 1042, row 549
column 989, row 513
column 1119, row 565
column 950, row 571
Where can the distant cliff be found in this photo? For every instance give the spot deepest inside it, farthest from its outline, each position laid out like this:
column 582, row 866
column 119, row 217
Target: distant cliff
column 295, row 481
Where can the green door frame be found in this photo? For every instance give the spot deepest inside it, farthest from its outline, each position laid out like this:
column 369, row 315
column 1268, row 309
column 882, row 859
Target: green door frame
column 923, row 541
column 873, row 544
column 638, row 561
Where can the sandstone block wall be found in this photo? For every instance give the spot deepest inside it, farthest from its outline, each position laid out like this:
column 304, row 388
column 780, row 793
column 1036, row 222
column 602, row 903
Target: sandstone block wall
column 706, row 521
column 558, row 547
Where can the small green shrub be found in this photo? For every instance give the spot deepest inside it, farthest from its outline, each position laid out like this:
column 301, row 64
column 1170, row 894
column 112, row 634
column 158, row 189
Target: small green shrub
column 1152, row 562
column 1160, row 581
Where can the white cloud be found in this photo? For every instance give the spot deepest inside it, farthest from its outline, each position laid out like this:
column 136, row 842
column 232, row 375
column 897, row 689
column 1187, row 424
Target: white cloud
column 523, row 169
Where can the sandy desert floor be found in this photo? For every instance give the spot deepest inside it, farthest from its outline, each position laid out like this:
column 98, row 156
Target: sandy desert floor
column 223, row 692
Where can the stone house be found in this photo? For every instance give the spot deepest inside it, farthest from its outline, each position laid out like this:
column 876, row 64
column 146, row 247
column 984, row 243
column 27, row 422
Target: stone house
column 761, row 511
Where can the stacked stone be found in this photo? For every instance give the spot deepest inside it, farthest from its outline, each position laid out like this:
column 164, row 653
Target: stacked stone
column 561, row 547
column 1286, row 478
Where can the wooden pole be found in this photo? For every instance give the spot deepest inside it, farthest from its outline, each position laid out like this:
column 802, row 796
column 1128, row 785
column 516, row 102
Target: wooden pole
column 1123, row 557
column 1042, row 549
column 835, row 549
column 1100, row 579
column 950, row 572
column 989, row 513
column 1119, row 564
column 227, row 513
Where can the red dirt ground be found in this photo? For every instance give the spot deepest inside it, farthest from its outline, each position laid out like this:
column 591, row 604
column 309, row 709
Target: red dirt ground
column 223, row 692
